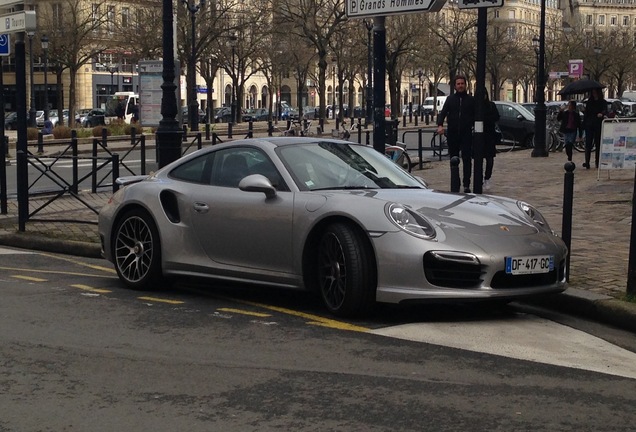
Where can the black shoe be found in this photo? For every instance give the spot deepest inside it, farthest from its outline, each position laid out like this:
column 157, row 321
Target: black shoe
column 466, row 190
column 586, row 165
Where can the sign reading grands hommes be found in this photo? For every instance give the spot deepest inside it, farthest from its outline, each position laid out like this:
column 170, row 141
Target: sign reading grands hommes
column 366, row 8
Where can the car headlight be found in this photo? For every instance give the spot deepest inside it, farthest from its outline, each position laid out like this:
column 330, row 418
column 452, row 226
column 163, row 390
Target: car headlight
column 534, row 215
column 410, row 221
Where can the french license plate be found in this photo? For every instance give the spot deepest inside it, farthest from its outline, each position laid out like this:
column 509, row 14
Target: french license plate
column 529, row 264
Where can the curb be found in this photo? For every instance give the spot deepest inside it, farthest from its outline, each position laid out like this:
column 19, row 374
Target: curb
column 46, row 244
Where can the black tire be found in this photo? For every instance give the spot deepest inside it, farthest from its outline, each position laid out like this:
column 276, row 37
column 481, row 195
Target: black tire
column 137, row 250
column 346, row 271
column 406, row 163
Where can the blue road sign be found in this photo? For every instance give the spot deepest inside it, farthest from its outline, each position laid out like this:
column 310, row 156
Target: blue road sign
column 4, row 45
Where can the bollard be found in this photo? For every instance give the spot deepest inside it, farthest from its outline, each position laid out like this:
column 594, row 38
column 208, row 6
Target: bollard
column 321, row 126
column 403, row 120
column 454, row 168
column 40, row 142
column 115, row 159
column 359, row 130
column 305, row 123
column 270, row 128
column 184, row 137
column 368, row 138
column 337, row 123
column 214, row 136
column 75, row 166
column 4, row 149
column 105, row 137
column 207, row 131
column 229, row 129
column 250, row 129
column 566, row 226
column 419, row 144
column 427, row 119
column 416, row 116
column 142, row 154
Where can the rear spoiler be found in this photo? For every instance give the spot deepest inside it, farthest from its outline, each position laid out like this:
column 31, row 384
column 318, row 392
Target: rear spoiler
column 128, row 180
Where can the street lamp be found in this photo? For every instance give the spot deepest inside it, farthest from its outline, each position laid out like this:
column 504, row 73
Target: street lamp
column 233, row 41
column 112, row 68
column 193, row 104
column 45, row 49
column 535, row 45
column 597, row 53
column 32, row 122
column 539, row 149
column 420, row 74
column 369, row 117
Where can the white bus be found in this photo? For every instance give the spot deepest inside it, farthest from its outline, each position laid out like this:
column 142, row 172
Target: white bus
column 120, row 106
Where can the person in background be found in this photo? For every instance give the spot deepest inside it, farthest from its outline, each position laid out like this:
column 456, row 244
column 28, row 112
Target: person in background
column 459, row 112
column 570, row 127
column 595, row 112
column 491, row 117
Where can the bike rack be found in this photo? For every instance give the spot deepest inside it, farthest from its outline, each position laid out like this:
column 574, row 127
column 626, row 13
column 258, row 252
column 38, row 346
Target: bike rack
column 437, row 150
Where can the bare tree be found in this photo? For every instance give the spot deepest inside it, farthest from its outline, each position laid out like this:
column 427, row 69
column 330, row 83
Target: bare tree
column 77, row 31
column 315, row 21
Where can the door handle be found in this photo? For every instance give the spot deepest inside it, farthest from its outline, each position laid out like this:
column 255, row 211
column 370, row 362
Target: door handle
column 200, row 207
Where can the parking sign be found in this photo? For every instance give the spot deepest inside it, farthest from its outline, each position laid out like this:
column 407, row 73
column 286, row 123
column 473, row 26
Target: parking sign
column 4, row 45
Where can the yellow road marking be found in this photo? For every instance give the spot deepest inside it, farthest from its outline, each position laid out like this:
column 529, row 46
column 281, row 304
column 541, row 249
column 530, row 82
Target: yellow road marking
column 244, row 312
column 313, row 319
column 160, row 300
column 28, row 270
column 29, row 278
column 80, row 263
column 90, row 289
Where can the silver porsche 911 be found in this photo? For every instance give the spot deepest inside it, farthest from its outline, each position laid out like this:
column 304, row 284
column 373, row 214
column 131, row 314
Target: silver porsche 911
column 325, row 215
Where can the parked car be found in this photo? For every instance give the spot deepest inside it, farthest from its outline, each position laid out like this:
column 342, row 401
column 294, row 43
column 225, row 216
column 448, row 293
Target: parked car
column 11, row 120
column 53, row 116
column 337, row 214
column 186, row 119
column 257, row 114
column 431, row 105
column 518, row 121
column 95, row 117
column 289, row 113
column 311, row 112
column 80, row 116
column 222, row 115
column 415, row 109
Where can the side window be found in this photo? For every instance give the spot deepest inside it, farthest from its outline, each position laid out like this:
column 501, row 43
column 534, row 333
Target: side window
column 232, row 165
column 194, row 171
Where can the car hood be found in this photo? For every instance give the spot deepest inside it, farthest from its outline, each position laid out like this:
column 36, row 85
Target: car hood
column 473, row 215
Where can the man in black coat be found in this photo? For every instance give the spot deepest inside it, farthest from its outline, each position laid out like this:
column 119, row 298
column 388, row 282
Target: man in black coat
column 459, row 113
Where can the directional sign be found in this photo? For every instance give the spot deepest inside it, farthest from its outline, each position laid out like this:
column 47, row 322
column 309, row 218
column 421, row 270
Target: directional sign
column 5, row 45
column 369, row 8
column 24, row 21
column 474, row 4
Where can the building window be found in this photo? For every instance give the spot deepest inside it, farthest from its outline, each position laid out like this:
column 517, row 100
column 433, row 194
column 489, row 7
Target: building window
column 56, row 10
column 111, row 19
column 625, row 20
column 601, row 20
column 588, row 20
column 125, row 17
column 95, row 17
column 613, row 20
column 511, row 14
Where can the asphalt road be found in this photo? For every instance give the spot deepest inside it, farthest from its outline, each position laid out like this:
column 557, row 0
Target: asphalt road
column 81, row 353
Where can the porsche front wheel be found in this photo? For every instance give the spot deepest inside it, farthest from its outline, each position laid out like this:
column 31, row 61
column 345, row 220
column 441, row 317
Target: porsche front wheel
column 136, row 250
column 346, row 272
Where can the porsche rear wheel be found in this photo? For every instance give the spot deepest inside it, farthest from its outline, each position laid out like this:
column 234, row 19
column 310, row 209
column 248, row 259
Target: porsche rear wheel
column 137, row 251
column 346, row 274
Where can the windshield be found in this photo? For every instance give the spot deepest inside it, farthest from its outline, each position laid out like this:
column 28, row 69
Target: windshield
column 116, row 106
column 330, row 165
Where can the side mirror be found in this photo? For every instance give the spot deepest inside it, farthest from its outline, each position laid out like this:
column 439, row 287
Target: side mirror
column 258, row 183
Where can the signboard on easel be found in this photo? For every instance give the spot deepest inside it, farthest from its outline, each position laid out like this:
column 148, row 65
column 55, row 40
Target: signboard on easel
column 618, row 144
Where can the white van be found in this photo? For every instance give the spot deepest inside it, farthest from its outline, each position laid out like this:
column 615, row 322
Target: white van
column 428, row 107
column 120, row 105
column 629, row 96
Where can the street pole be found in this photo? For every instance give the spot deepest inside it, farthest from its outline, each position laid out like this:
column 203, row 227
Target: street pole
column 193, row 103
column 168, row 135
column 45, row 49
column 369, row 114
column 233, row 40
column 539, row 149
column 32, row 122
column 379, row 74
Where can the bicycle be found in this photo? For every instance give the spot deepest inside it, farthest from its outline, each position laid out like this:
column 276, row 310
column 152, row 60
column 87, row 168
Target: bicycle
column 399, row 154
column 296, row 128
column 439, row 143
column 344, row 132
column 506, row 141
